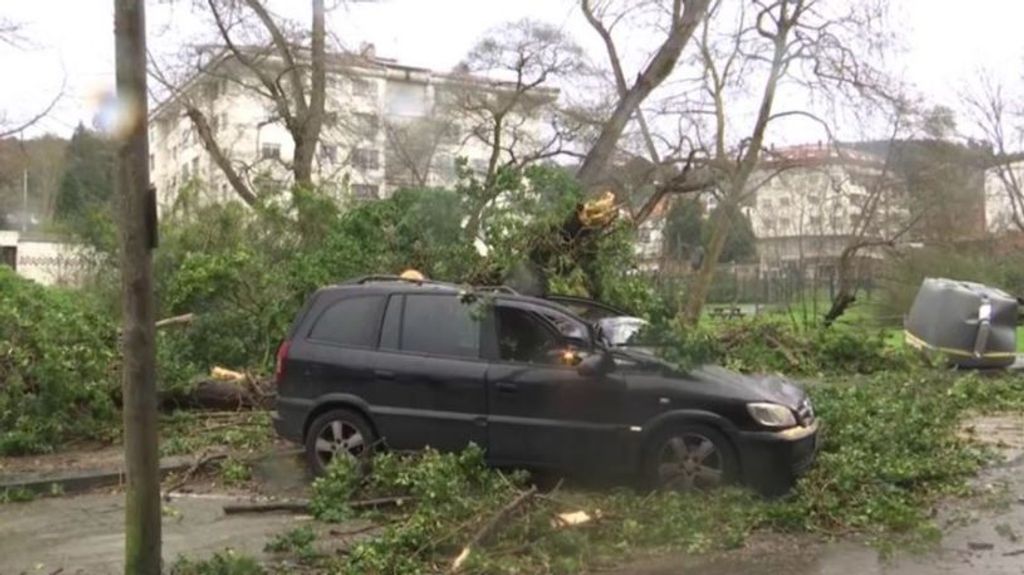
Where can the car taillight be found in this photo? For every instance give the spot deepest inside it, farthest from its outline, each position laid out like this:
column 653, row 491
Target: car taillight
column 282, row 354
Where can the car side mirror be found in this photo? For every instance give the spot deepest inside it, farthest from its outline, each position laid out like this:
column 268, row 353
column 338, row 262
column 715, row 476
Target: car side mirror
column 596, row 364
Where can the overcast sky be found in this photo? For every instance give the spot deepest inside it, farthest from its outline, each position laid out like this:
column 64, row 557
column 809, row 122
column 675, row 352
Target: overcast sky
column 945, row 42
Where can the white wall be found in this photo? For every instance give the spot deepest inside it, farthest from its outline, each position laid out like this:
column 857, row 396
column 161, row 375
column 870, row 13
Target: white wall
column 46, row 262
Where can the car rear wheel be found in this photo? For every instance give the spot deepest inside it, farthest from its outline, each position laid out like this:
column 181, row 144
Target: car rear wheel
column 338, row 433
column 690, row 457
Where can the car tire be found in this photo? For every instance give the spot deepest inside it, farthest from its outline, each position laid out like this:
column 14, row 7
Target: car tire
column 689, row 457
column 339, row 431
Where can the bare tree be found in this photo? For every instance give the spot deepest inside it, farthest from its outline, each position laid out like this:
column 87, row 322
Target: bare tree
column 504, row 114
column 802, row 43
column 884, row 212
column 996, row 115
column 413, row 145
column 684, row 16
column 259, row 53
column 12, row 35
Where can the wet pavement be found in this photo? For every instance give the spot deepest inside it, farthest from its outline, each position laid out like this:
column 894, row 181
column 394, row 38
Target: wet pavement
column 84, row 534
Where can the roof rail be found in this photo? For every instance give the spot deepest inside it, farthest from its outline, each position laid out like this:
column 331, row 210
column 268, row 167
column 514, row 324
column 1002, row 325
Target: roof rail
column 501, row 289
column 389, row 278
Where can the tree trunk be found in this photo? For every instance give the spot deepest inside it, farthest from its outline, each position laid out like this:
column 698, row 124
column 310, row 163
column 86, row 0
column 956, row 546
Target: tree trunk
column 592, row 170
column 223, row 162
column 142, row 495
column 845, row 294
column 309, row 131
column 698, row 292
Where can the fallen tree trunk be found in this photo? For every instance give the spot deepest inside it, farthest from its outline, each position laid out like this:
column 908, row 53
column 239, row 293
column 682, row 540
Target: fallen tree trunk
column 249, row 393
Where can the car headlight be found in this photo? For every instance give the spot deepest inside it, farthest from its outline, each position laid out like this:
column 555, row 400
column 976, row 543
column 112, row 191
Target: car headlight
column 772, row 414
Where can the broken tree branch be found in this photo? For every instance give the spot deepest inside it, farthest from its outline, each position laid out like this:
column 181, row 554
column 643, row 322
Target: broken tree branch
column 302, row 505
column 491, row 527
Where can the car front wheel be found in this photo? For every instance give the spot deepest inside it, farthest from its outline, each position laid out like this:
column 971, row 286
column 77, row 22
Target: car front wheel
column 338, row 433
column 689, row 457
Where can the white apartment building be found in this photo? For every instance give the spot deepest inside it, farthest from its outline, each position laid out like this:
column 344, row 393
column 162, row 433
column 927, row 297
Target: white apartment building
column 813, row 200
column 386, row 126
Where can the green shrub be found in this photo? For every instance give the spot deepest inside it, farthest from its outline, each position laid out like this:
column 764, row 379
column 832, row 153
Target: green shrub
column 58, row 362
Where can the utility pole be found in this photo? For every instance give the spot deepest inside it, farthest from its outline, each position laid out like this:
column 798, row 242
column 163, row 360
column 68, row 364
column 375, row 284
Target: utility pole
column 138, row 238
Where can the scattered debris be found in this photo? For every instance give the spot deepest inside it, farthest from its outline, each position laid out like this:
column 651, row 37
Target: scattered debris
column 574, row 518
column 481, row 536
column 203, row 460
column 302, row 505
column 979, row 545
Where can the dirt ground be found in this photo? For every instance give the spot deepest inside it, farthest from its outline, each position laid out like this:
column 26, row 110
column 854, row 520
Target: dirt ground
column 83, row 534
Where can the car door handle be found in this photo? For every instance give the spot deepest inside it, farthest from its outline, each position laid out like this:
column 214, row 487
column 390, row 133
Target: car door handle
column 385, row 374
column 505, row 387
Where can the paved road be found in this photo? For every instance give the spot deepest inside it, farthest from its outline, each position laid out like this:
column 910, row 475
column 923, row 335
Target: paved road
column 85, row 534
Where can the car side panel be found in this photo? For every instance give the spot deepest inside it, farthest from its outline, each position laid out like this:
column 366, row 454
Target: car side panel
column 553, row 417
column 419, row 401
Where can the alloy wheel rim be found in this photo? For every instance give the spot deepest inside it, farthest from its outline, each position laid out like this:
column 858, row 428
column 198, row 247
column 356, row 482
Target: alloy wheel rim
column 339, row 438
column 689, row 462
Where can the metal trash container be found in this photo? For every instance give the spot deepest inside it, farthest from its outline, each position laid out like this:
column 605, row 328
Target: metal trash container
column 972, row 324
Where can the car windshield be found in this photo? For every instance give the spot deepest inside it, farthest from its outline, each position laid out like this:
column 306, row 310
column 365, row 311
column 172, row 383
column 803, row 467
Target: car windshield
column 619, row 331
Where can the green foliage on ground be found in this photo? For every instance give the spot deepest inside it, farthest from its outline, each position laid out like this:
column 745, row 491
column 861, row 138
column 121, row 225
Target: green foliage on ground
column 297, row 542
column 224, row 563
column 891, row 450
column 57, row 364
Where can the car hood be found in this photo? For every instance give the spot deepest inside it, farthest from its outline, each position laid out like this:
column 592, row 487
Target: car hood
column 710, row 379
column 773, row 388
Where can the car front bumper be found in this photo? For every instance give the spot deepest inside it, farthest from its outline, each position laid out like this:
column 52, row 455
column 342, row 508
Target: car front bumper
column 771, row 461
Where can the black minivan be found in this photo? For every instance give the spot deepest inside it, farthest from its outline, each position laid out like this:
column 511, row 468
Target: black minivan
column 383, row 361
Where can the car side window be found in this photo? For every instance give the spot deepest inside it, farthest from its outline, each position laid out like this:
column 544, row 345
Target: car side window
column 439, row 325
column 527, row 337
column 351, row 322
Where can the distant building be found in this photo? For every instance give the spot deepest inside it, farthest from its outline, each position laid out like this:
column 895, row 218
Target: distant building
column 386, row 126
column 48, row 261
column 1004, row 204
column 808, row 202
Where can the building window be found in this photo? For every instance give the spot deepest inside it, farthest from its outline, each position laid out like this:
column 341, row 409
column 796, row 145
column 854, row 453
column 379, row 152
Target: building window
column 407, row 99
column 815, row 220
column 365, row 159
column 364, row 191
column 331, row 119
column 328, row 153
column 784, row 223
column 152, row 163
column 784, row 201
column 195, row 167
column 270, row 152
column 367, row 124
column 361, row 87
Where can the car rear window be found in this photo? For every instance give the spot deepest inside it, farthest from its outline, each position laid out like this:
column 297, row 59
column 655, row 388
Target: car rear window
column 440, row 325
column 353, row 321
